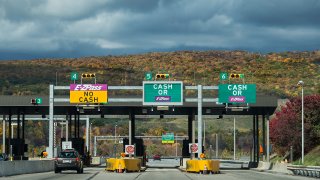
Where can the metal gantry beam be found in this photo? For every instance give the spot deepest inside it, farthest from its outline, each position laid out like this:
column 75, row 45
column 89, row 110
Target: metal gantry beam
column 199, row 100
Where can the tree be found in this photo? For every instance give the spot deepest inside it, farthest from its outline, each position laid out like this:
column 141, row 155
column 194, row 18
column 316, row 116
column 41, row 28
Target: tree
column 285, row 127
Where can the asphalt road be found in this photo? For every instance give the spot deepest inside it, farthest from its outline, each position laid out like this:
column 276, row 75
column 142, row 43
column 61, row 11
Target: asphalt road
column 155, row 174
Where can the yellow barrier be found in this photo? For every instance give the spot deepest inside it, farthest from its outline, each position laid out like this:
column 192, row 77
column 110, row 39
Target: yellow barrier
column 203, row 166
column 215, row 166
column 122, row 165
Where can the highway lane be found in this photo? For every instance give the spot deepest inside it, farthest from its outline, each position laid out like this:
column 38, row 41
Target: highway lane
column 156, row 174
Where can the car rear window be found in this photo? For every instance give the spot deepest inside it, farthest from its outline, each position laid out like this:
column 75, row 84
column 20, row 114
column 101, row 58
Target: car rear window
column 67, row 155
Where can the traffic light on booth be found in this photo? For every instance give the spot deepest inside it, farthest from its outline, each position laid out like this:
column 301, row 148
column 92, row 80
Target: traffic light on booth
column 236, row 76
column 162, row 76
column 33, row 101
column 88, row 75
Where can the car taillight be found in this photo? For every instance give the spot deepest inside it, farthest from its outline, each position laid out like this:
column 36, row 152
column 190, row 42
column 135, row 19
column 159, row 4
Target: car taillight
column 77, row 159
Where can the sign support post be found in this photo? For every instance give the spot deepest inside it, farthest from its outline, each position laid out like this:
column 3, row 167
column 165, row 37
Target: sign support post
column 4, row 134
column 87, row 133
column 50, row 153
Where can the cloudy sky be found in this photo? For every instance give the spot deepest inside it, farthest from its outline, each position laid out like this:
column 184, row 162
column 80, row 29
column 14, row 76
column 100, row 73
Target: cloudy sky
column 74, row 28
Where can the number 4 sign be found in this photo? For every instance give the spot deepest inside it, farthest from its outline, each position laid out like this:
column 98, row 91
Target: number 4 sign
column 74, row 76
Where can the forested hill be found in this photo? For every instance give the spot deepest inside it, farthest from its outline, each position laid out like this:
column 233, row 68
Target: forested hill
column 274, row 73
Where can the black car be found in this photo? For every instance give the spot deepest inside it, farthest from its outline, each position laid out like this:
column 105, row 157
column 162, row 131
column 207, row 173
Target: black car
column 68, row 159
column 4, row 157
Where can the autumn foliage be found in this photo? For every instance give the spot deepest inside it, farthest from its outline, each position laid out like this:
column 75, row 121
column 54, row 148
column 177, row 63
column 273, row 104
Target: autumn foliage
column 285, row 127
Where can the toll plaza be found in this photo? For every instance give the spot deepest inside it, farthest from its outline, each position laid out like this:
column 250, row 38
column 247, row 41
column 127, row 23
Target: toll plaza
column 167, row 99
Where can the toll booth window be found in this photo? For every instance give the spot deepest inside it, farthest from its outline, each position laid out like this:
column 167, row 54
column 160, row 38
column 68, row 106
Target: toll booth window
column 67, row 155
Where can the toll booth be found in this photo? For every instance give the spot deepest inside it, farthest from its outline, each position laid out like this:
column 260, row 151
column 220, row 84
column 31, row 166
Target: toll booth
column 139, row 146
column 77, row 144
column 185, row 148
column 18, row 148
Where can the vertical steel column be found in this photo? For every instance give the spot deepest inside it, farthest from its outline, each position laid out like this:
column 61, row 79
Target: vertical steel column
column 190, row 120
column 258, row 145
column 4, row 134
column 131, row 128
column 199, row 120
column 51, row 105
column 268, row 140
column 23, row 124
column 67, row 128
column 75, row 125
column 264, row 136
column 217, row 146
column 234, row 138
column 95, row 146
column 302, row 126
column 10, row 132
column 254, row 138
column 78, row 120
column 70, row 125
column 87, row 133
column 18, row 125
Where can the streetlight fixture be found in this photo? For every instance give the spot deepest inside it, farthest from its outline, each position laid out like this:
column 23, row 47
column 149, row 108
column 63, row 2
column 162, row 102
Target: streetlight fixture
column 301, row 83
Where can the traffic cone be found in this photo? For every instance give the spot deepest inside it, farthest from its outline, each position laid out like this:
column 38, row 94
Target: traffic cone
column 205, row 171
column 119, row 168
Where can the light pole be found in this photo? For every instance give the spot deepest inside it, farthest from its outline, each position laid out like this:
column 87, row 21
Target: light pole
column 234, row 138
column 90, row 134
column 115, row 134
column 301, row 83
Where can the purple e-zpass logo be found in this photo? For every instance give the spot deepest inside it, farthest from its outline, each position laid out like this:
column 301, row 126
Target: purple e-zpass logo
column 237, row 99
column 163, row 98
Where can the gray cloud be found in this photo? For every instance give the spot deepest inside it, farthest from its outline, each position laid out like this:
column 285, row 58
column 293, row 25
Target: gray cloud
column 74, row 28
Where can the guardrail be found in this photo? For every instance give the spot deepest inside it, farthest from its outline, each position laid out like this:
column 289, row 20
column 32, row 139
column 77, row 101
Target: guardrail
column 310, row 171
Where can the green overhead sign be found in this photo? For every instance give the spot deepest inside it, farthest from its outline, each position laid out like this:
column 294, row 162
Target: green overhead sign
column 237, row 93
column 168, row 138
column 163, row 93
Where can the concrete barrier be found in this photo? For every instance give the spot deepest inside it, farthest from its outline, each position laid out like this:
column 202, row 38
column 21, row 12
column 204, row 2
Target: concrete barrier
column 123, row 164
column 208, row 166
column 96, row 160
column 9, row 168
column 262, row 166
column 281, row 168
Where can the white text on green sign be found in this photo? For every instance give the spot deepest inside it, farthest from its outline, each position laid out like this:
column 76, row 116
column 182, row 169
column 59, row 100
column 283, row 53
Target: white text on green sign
column 168, row 138
column 237, row 93
column 162, row 93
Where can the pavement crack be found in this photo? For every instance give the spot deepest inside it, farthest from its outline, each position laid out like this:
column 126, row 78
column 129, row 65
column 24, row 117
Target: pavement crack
column 91, row 177
column 137, row 176
column 188, row 177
